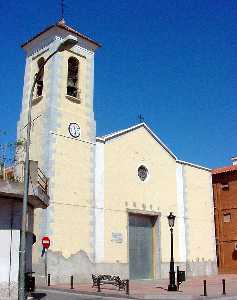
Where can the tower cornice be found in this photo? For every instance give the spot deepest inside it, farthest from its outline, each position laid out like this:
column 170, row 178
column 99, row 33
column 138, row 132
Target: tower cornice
column 62, row 25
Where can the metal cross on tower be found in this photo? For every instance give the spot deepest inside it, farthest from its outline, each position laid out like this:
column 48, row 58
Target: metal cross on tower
column 140, row 118
column 62, row 9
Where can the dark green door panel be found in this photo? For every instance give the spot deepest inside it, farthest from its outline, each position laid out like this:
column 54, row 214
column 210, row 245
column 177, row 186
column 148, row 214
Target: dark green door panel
column 140, row 247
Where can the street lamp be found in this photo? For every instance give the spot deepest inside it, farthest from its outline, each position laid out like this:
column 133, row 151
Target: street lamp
column 172, row 286
column 66, row 44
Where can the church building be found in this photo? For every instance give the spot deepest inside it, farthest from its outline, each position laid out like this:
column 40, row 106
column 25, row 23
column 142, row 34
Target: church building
column 109, row 196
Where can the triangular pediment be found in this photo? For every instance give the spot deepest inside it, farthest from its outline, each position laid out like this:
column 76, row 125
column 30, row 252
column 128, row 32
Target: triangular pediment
column 117, row 134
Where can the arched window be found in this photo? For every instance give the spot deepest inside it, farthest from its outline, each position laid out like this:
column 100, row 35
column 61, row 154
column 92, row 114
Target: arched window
column 72, row 77
column 40, row 82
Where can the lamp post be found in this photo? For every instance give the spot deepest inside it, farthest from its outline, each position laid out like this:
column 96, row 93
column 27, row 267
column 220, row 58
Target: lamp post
column 172, row 286
column 66, row 44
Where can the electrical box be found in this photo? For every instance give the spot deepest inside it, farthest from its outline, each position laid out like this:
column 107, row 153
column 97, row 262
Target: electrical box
column 181, row 276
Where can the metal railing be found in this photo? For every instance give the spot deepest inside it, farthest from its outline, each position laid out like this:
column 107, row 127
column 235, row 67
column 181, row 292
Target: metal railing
column 42, row 181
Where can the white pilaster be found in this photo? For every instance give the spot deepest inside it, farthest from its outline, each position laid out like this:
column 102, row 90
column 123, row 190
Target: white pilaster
column 181, row 212
column 99, row 202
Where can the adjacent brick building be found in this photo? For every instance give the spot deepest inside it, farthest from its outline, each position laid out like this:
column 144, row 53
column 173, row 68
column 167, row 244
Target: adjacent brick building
column 225, row 204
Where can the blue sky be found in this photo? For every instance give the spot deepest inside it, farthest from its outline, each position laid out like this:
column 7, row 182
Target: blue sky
column 175, row 62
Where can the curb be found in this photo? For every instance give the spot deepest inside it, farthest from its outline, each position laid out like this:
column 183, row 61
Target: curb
column 98, row 294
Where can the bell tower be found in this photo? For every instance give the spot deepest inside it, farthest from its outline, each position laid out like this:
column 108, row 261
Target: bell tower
column 62, row 136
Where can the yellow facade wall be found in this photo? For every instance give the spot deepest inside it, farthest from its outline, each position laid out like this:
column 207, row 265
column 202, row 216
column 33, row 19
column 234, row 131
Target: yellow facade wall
column 125, row 191
column 200, row 214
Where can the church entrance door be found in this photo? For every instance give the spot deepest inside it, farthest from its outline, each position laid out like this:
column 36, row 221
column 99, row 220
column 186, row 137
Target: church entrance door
column 140, row 246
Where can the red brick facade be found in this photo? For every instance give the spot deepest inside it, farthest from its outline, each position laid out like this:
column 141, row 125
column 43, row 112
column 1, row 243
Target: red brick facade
column 225, row 204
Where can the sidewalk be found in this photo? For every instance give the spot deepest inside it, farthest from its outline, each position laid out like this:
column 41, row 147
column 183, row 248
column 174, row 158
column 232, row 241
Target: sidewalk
column 191, row 289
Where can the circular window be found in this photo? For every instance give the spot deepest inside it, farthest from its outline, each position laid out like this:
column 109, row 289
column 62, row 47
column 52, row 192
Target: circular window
column 142, row 173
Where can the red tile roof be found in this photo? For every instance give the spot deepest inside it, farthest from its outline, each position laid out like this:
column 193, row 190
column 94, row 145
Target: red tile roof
column 224, row 169
column 61, row 24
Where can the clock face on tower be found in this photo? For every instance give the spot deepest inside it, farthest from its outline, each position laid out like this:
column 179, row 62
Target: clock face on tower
column 74, row 130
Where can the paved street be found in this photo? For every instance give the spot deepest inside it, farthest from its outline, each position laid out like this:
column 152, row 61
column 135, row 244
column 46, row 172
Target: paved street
column 61, row 295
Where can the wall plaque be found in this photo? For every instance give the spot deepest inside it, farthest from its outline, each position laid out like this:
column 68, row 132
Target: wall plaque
column 117, row 237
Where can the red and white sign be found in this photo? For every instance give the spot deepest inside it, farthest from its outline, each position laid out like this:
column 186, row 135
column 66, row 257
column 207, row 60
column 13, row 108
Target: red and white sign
column 45, row 242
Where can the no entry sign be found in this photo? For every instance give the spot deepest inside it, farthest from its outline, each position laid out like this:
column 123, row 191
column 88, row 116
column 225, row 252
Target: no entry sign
column 45, row 242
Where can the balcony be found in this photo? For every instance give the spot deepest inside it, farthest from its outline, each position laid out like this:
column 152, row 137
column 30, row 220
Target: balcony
column 38, row 185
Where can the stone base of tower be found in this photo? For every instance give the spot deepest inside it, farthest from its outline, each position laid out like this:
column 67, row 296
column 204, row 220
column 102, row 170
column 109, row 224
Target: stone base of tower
column 79, row 265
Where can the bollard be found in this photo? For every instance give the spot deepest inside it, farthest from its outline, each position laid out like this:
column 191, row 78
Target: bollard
column 223, row 287
column 98, row 284
column 48, row 279
column 71, row 282
column 127, row 287
column 204, row 288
